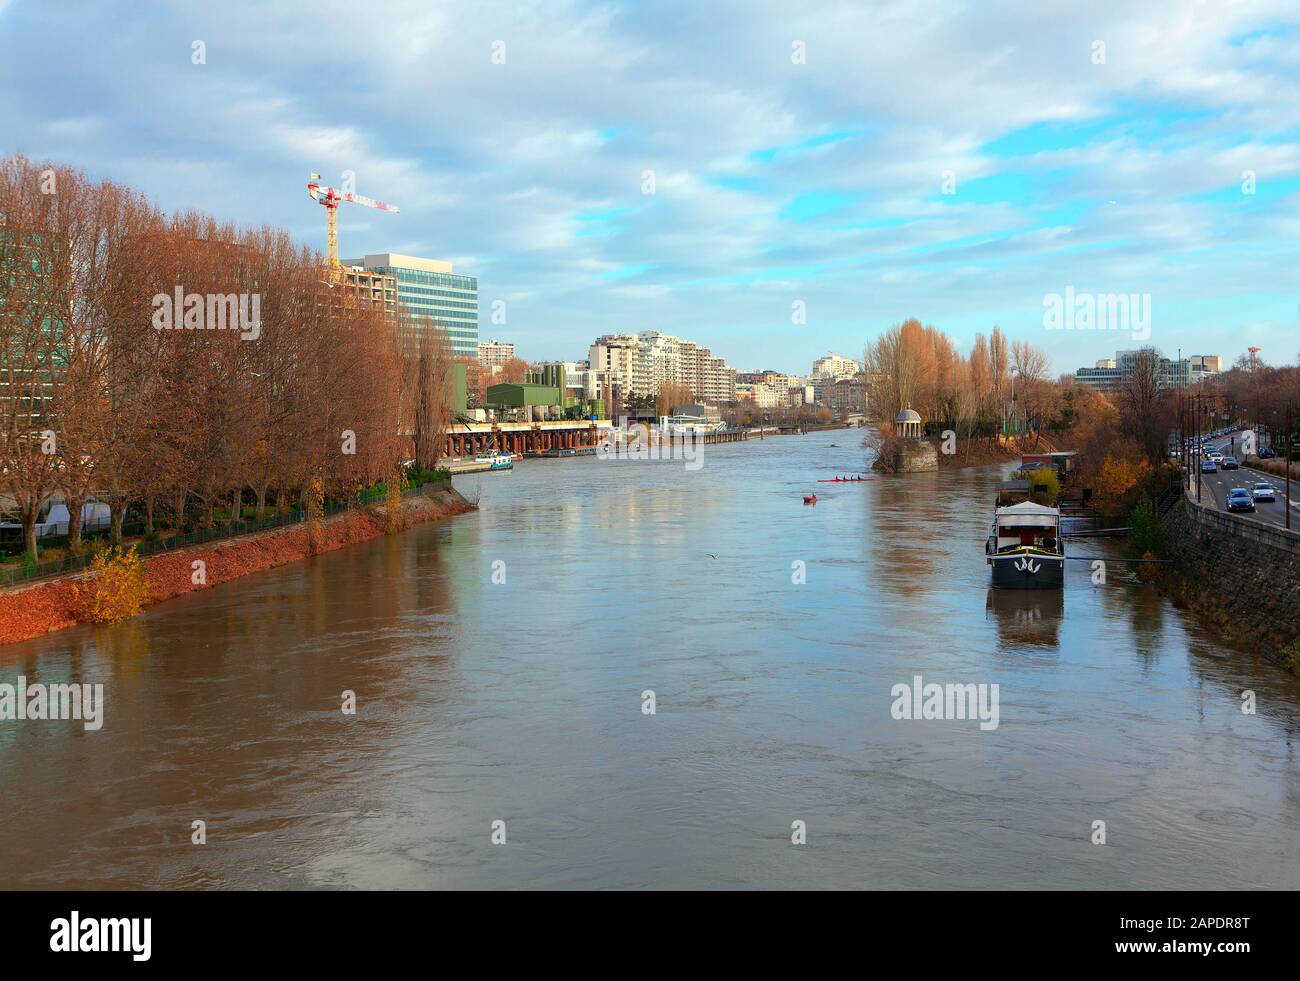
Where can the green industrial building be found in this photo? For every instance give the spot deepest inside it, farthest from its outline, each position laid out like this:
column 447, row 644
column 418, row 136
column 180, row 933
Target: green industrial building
column 543, row 389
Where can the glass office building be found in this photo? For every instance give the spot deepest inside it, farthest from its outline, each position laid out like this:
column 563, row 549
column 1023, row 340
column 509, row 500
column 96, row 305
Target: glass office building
column 428, row 288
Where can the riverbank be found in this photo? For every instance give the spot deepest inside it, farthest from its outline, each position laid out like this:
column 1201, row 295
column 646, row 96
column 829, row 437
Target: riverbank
column 981, row 452
column 54, row 604
column 969, row 452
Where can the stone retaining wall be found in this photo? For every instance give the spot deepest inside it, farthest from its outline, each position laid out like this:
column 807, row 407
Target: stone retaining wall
column 1244, row 572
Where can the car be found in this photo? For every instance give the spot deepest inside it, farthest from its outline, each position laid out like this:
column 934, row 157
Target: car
column 1216, row 456
column 1207, row 466
column 1239, row 499
column 1267, row 453
column 1263, row 492
column 1229, row 463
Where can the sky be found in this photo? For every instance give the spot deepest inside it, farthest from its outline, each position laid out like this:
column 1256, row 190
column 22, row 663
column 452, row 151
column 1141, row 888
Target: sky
column 774, row 180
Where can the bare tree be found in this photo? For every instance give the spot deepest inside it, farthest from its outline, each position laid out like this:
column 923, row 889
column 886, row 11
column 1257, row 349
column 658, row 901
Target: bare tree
column 1140, row 399
column 99, row 399
column 40, row 234
column 432, row 364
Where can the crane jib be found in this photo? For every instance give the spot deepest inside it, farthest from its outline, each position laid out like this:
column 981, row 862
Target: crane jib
column 331, row 197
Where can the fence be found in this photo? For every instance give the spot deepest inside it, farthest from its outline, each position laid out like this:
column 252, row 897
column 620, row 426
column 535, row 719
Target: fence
column 233, row 529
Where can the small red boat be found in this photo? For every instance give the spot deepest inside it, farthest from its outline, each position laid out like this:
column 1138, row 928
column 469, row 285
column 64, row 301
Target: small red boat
column 810, row 498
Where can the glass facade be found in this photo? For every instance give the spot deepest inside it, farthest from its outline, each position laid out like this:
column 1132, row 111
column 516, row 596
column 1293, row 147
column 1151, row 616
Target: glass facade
column 446, row 298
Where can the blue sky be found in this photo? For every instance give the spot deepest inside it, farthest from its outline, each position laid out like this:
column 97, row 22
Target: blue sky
column 776, row 178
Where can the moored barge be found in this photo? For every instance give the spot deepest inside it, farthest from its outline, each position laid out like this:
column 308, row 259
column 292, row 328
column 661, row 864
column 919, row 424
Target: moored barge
column 1025, row 549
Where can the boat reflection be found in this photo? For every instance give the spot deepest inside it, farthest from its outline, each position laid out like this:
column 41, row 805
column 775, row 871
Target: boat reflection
column 1025, row 617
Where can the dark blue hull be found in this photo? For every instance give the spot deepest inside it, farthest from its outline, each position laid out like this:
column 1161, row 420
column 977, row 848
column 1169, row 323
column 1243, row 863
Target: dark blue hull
column 1027, row 568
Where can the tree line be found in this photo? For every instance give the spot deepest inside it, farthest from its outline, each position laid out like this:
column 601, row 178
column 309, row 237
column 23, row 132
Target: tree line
column 1122, row 437
column 123, row 379
column 916, row 366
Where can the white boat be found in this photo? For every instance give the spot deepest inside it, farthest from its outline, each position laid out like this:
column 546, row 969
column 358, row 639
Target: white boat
column 497, row 461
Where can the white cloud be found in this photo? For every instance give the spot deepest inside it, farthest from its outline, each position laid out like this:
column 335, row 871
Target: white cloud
column 491, row 162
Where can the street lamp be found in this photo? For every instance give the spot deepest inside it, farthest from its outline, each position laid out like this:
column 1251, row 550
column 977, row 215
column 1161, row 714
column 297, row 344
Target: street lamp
column 1286, row 436
column 1011, row 409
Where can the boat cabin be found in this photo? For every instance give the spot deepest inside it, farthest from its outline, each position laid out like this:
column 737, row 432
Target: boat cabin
column 1027, row 524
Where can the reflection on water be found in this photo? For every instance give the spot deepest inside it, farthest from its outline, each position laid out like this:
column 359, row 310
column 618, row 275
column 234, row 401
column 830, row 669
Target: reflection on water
column 520, row 700
column 1027, row 617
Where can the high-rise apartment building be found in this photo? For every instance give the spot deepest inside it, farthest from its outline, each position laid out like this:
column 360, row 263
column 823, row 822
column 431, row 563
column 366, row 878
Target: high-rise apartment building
column 495, row 353
column 621, row 356
column 640, row 363
column 835, row 366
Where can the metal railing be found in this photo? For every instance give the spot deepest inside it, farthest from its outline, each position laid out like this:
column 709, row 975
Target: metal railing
column 199, row 536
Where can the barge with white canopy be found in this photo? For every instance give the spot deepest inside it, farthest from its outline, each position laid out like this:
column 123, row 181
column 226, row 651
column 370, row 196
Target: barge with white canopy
column 1025, row 547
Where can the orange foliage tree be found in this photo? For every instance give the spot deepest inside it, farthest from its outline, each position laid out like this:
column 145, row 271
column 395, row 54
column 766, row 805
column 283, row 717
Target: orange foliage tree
column 1116, row 478
column 283, row 381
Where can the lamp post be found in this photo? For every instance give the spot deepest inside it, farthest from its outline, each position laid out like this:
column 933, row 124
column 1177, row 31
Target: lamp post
column 1196, row 425
column 1289, row 441
column 1184, row 435
column 1012, row 420
column 1209, row 426
column 1182, row 432
column 1182, row 427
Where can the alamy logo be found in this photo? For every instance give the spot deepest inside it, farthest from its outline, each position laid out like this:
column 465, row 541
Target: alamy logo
column 102, row 933
column 73, row 701
column 638, row 441
column 951, row 701
column 1098, row 311
column 209, row 311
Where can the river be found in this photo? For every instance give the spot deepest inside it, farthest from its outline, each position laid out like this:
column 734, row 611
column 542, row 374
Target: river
column 520, row 700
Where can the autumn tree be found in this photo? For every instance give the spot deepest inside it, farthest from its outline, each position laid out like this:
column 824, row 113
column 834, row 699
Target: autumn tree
column 101, row 397
column 513, row 372
column 41, row 232
column 1146, row 409
column 431, row 366
column 670, row 395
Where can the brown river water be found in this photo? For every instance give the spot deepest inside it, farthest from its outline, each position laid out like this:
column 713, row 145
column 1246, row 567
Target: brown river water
column 522, row 702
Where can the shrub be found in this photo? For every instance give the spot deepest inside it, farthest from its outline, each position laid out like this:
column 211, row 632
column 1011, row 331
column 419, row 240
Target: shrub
column 393, row 506
column 416, row 476
column 1146, row 534
column 315, row 515
column 1045, row 486
column 118, row 587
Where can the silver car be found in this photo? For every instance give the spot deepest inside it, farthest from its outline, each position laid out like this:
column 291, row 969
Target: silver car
column 1263, row 492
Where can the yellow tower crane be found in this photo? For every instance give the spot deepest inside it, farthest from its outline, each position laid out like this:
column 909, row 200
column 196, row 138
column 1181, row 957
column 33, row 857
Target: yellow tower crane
column 329, row 198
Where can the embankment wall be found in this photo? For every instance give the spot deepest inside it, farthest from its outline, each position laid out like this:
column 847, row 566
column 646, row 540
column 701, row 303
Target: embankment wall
column 1243, row 575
